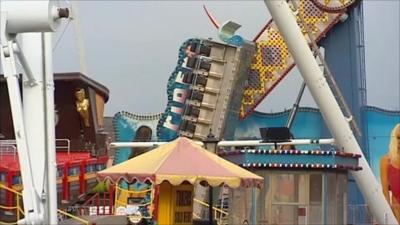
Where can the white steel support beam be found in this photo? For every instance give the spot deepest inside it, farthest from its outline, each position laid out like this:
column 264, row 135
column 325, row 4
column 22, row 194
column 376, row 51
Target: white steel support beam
column 330, row 110
column 32, row 46
column 242, row 143
column 39, row 119
column 50, row 133
column 33, row 211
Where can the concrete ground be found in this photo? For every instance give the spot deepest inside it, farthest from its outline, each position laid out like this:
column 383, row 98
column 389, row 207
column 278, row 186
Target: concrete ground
column 97, row 220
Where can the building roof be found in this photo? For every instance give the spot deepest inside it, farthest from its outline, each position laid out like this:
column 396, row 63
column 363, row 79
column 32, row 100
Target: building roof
column 79, row 79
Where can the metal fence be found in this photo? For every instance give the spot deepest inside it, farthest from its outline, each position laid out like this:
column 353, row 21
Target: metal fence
column 359, row 215
column 9, row 147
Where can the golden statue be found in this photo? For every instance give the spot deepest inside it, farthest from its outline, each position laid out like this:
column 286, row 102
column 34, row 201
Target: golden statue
column 390, row 172
column 82, row 106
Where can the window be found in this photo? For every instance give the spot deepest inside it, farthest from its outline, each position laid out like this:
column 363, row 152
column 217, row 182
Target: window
column 3, row 193
column 289, row 198
column 100, row 167
column 60, row 172
column 286, row 188
column 293, row 197
column 183, row 217
column 73, row 171
column 183, row 198
column 2, row 177
column 91, row 168
column 183, row 204
column 315, row 193
column 17, row 180
column 315, row 188
column 337, row 184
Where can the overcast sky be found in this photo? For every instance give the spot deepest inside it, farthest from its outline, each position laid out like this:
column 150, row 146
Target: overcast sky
column 131, row 47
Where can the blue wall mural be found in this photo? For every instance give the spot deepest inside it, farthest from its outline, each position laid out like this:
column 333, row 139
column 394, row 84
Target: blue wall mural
column 308, row 123
column 125, row 127
column 377, row 123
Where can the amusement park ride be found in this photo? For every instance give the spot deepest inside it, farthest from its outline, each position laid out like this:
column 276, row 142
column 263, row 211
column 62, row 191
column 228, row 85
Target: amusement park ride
column 213, row 86
column 34, row 126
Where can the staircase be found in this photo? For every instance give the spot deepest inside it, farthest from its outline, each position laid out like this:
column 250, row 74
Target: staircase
column 201, row 208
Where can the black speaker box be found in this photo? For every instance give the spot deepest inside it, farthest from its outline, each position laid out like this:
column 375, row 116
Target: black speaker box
column 275, row 134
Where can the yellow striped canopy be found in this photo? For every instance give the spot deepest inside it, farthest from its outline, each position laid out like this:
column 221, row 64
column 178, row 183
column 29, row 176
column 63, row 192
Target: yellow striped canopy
column 178, row 161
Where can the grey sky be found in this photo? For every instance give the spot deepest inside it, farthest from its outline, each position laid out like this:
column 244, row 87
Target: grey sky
column 132, row 46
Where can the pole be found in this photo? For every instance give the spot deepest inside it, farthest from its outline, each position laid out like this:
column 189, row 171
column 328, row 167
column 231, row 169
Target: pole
column 253, row 206
column 32, row 45
column 293, row 112
column 50, row 145
column 210, row 205
column 330, row 110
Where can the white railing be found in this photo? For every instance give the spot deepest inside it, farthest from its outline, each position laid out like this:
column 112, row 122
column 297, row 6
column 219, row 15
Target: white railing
column 65, row 146
column 9, row 147
column 8, row 142
column 220, row 215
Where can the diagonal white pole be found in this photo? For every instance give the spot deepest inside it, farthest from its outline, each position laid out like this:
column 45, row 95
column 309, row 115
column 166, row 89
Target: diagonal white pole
column 50, row 133
column 330, row 110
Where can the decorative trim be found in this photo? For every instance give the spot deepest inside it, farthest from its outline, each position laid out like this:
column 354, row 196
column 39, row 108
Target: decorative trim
column 315, row 166
column 289, row 152
column 287, row 111
column 380, row 110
